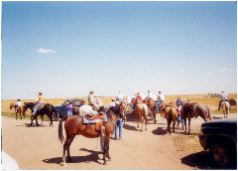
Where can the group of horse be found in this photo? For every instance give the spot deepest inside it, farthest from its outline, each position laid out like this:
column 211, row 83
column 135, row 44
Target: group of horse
column 47, row 109
column 169, row 111
column 141, row 110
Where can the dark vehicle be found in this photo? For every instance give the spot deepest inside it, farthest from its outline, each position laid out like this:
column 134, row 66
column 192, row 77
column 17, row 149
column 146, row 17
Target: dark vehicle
column 62, row 110
column 220, row 138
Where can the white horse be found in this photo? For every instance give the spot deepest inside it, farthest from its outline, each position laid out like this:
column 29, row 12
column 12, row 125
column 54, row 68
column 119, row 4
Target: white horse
column 225, row 106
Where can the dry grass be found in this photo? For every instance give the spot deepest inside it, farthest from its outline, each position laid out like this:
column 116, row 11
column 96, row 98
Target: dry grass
column 211, row 101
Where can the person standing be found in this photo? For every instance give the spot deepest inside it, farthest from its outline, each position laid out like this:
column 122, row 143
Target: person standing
column 118, row 128
column 180, row 103
column 69, row 107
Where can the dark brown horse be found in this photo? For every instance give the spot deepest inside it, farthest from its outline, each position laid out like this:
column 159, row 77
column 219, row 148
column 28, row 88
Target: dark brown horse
column 30, row 106
column 74, row 126
column 47, row 109
column 152, row 107
column 18, row 110
column 170, row 113
column 232, row 102
column 193, row 109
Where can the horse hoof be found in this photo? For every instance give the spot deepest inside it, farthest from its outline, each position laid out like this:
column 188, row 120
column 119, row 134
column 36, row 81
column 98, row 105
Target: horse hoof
column 64, row 164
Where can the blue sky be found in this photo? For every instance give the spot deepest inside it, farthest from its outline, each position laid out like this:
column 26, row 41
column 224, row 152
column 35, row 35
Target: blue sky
column 65, row 49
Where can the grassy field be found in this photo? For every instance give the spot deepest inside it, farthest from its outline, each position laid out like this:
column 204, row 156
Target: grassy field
column 211, row 101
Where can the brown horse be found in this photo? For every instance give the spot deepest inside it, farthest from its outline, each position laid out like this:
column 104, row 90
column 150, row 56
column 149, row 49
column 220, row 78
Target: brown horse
column 123, row 108
column 170, row 113
column 232, row 102
column 18, row 110
column 74, row 126
column 225, row 106
column 193, row 109
column 141, row 113
column 152, row 107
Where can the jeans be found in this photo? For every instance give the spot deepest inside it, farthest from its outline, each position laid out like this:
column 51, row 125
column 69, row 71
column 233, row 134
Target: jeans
column 118, row 129
column 69, row 113
column 181, row 119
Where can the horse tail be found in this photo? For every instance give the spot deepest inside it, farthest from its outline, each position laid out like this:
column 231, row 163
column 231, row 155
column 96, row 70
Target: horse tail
column 145, row 107
column 209, row 113
column 60, row 131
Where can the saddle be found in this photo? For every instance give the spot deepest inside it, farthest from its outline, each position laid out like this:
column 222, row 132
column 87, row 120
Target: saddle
column 97, row 119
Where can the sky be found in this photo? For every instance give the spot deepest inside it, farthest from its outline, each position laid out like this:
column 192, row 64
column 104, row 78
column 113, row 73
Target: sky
column 66, row 49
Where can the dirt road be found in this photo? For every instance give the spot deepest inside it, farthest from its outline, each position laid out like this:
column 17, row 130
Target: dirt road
column 39, row 147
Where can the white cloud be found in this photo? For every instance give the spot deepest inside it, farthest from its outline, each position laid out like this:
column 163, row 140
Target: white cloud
column 224, row 69
column 46, row 51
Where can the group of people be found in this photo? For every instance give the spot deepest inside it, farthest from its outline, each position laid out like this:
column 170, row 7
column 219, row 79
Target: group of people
column 95, row 103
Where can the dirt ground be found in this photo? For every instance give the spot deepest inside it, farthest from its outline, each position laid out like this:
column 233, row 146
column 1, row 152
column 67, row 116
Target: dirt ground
column 39, row 147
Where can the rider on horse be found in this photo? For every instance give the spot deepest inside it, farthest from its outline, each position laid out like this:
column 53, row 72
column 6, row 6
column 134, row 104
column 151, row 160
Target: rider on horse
column 39, row 103
column 119, row 97
column 160, row 99
column 223, row 97
column 18, row 104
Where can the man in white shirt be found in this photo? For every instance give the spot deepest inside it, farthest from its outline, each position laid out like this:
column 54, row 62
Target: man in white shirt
column 18, row 104
column 113, row 103
column 149, row 94
column 223, row 97
column 120, row 96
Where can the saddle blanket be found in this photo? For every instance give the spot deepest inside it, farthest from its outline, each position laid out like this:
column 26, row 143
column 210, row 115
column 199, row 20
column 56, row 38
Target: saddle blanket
column 93, row 121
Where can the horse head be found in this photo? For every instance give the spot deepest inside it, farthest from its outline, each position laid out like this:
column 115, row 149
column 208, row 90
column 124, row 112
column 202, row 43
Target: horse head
column 12, row 105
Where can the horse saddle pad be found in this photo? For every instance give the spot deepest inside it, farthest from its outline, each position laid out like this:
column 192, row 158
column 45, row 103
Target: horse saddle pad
column 88, row 120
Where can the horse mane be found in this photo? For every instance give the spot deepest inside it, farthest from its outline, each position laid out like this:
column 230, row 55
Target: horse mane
column 115, row 110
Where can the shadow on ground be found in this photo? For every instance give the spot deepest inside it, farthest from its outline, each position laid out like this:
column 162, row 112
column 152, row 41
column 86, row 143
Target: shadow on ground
column 202, row 160
column 130, row 127
column 33, row 125
column 217, row 117
column 159, row 131
column 92, row 157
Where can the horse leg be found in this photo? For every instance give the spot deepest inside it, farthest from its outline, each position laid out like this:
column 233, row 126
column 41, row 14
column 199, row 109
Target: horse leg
column 67, row 148
column 189, row 123
column 51, row 120
column 168, row 126
column 20, row 115
column 146, row 121
column 42, row 118
column 36, row 120
column 32, row 118
column 142, row 124
column 154, row 117
column 174, row 122
column 185, row 125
